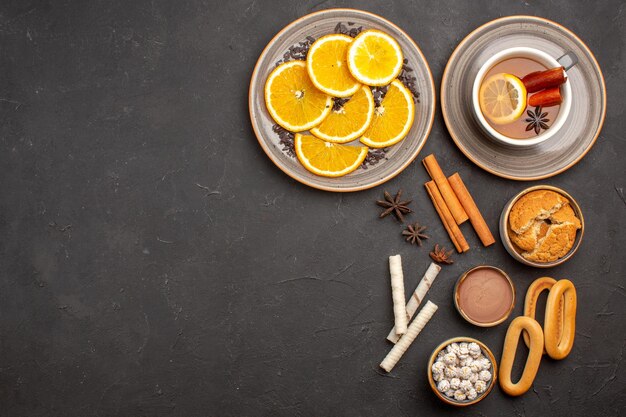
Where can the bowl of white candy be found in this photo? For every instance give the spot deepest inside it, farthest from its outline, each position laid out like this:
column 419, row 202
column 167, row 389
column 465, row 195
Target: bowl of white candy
column 462, row 371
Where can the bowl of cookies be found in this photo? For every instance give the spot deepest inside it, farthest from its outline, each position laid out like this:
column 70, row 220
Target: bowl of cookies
column 542, row 226
column 462, row 371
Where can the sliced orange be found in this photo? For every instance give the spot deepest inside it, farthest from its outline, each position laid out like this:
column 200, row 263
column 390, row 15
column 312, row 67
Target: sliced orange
column 502, row 98
column 392, row 119
column 349, row 121
column 374, row 58
column 328, row 68
column 292, row 100
column 328, row 159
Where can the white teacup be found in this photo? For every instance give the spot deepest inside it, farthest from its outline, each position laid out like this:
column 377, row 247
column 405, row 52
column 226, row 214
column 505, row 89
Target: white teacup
column 543, row 58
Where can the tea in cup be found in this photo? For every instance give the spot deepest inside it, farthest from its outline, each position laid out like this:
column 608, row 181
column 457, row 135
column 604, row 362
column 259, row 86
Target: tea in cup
column 521, row 96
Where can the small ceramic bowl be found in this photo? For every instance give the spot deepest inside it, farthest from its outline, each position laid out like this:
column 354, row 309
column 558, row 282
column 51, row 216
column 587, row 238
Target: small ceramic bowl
column 504, row 230
column 466, row 316
column 486, row 352
column 536, row 55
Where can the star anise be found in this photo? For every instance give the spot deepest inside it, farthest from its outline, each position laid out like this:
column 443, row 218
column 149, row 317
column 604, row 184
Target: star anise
column 440, row 255
column 537, row 120
column 394, row 205
column 414, row 234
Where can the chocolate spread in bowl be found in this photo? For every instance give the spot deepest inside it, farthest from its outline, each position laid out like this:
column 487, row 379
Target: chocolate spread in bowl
column 484, row 295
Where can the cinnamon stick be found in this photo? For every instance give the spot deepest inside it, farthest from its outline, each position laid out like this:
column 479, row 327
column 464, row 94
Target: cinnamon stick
column 453, row 230
column 435, row 172
column 546, row 98
column 445, row 224
column 539, row 80
column 442, row 217
column 477, row 220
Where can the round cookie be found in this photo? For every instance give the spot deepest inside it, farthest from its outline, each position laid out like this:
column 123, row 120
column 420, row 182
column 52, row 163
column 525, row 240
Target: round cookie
column 535, row 205
column 542, row 226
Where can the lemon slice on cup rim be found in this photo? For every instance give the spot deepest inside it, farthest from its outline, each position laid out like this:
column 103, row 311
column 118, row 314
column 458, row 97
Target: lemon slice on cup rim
column 502, row 98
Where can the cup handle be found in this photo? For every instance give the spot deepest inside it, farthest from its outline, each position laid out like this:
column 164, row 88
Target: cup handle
column 568, row 60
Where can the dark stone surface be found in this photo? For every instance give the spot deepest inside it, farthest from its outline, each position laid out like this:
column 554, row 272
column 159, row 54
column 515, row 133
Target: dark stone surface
column 154, row 262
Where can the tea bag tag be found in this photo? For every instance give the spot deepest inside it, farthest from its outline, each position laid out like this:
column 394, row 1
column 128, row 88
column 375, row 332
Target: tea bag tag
column 568, row 60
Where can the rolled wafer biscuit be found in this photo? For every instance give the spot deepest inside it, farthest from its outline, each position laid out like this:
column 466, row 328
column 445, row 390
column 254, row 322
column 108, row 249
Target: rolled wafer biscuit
column 518, row 325
column 559, row 334
column 397, row 294
column 405, row 341
column 417, row 297
column 530, row 304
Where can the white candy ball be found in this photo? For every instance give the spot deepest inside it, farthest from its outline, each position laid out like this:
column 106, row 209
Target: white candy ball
column 437, row 376
column 443, row 385
column 449, row 393
column 438, row 367
column 450, row 359
column 465, row 372
column 472, row 394
column 475, row 367
column 454, row 383
column 484, row 376
column 463, row 353
column 486, row 365
column 465, row 385
column 473, row 378
column 459, row 395
column 450, row 372
column 480, row 386
column 452, row 348
column 474, row 350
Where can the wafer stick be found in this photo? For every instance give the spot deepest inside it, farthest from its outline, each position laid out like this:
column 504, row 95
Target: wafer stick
column 417, row 297
column 446, row 218
column 477, row 220
column 453, row 203
column 405, row 341
column 397, row 294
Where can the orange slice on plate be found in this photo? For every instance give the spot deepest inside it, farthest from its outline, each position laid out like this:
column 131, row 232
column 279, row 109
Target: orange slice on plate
column 374, row 58
column 328, row 159
column 292, row 100
column 502, row 98
column 392, row 119
column 348, row 121
column 328, row 68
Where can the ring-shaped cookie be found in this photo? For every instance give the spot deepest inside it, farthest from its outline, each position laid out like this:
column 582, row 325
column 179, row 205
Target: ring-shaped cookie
column 530, row 303
column 559, row 336
column 533, row 360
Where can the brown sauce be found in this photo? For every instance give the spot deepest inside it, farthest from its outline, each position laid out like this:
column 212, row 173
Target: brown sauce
column 485, row 295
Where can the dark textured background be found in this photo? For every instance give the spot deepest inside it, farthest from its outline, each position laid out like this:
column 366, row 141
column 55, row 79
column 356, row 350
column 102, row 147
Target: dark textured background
column 154, row 262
